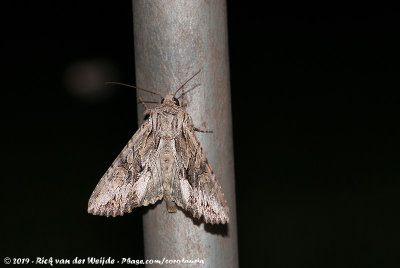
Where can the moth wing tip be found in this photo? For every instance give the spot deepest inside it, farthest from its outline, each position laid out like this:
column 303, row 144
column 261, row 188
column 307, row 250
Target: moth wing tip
column 92, row 211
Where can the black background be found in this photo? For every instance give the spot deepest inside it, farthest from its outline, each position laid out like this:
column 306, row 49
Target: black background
column 315, row 104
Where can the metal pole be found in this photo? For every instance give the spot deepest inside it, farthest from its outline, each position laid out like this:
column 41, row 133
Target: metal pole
column 174, row 39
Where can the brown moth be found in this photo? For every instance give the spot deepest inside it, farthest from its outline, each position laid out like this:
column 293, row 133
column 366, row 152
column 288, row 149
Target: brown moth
column 163, row 159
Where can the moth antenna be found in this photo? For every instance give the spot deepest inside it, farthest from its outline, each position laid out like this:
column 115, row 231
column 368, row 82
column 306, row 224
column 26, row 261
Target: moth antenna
column 186, row 82
column 184, row 93
column 126, row 85
column 149, row 102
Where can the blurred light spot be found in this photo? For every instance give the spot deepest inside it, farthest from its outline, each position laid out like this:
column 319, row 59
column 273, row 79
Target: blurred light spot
column 85, row 79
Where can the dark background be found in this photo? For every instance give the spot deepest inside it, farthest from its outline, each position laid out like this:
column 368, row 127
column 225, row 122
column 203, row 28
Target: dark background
column 315, row 104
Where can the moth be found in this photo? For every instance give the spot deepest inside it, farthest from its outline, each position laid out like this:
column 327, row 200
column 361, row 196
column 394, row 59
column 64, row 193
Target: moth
column 163, row 160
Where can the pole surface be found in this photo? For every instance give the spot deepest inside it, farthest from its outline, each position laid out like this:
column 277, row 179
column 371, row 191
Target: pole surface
column 173, row 40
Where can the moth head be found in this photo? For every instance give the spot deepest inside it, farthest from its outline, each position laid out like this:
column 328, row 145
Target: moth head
column 170, row 100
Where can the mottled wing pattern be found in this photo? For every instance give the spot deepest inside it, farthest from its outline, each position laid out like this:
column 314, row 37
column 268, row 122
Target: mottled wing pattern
column 129, row 181
column 199, row 192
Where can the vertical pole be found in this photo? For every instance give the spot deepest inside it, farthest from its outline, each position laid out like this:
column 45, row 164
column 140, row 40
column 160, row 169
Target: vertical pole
column 173, row 40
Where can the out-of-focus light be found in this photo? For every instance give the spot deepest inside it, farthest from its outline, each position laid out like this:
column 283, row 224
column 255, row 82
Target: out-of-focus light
column 85, row 79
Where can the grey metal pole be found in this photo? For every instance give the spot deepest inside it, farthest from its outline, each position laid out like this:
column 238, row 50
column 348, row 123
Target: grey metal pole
column 173, row 40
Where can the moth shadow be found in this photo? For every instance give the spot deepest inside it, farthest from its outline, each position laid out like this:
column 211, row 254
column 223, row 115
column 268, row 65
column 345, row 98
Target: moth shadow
column 146, row 209
column 215, row 229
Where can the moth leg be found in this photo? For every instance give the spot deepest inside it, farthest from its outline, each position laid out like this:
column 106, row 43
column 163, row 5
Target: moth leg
column 171, row 206
column 201, row 130
column 147, row 111
column 144, row 104
column 184, row 103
